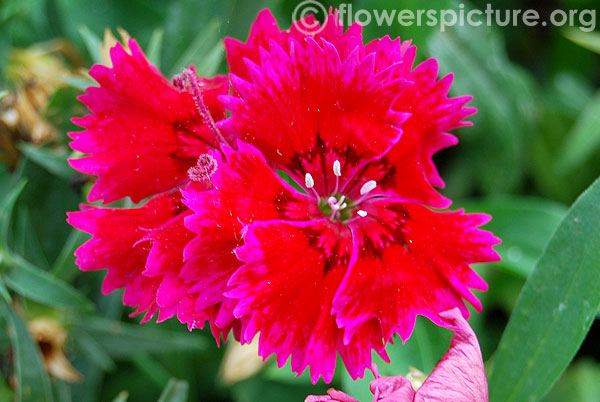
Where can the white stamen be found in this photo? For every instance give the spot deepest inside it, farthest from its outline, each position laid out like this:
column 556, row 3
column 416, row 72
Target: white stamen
column 361, row 213
column 336, row 204
column 368, row 187
column 337, row 168
column 309, row 181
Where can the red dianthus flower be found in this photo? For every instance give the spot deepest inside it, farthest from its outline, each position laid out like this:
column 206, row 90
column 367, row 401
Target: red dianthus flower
column 338, row 264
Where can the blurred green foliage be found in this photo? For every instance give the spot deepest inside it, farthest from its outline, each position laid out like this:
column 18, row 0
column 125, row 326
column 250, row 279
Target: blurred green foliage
column 533, row 149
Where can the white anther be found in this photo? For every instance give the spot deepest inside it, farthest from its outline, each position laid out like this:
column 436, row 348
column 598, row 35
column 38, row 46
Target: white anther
column 361, row 213
column 368, row 187
column 337, row 168
column 309, row 181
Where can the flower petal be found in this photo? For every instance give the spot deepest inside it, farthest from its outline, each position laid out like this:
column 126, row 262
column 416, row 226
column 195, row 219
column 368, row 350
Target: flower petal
column 333, row 395
column 143, row 133
column 392, row 389
column 245, row 190
column 411, row 261
column 460, row 375
column 285, row 289
column 312, row 100
column 265, row 30
column 119, row 245
column 407, row 171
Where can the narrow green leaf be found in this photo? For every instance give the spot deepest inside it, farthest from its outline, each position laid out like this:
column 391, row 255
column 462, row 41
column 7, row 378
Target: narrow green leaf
column 587, row 40
column 175, row 391
column 52, row 162
column 62, row 391
column 92, row 43
column 288, row 179
column 6, row 393
column 36, row 284
column 154, row 49
column 570, row 93
column 3, row 93
column 555, row 310
column 121, row 340
column 583, row 140
column 87, row 346
column 198, row 48
column 495, row 145
column 5, row 182
column 4, row 292
column 64, row 267
column 580, row 383
column 283, row 374
column 122, row 397
column 525, row 224
column 208, row 65
column 152, row 368
column 33, row 384
column 6, row 210
column 79, row 83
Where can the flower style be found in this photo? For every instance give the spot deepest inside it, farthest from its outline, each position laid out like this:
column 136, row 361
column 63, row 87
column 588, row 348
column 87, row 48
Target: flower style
column 458, row 377
column 336, row 264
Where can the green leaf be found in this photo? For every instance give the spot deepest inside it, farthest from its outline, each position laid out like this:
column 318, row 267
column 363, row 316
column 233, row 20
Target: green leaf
column 122, row 340
column 555, row 310
column 208, row 65
column 198, row 48
column 122, row 397
column 36, row 284
column 62, row 391
column 525, row 224
column 580, row 383
column 33, row 384
column 569, row 94
column 92, row 43
column 494, row 147
column 6, row 393
column 152, row 368
column 64, row 267
column 583, row 140
column 259, row 389
column 87, row 346
column 79, row 83
column 4, row 292
column 587, row 40
column 288, row 179
column 284, row 374
column 46, row 198
column 154, row 49
column 6, row 209
column 175, row 391
column 54, row 163
column 3, row 93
